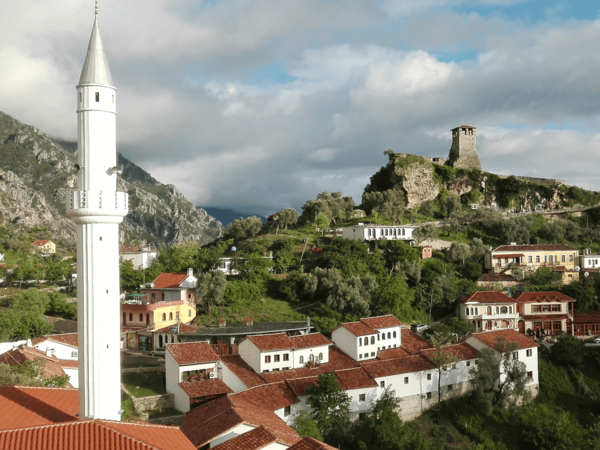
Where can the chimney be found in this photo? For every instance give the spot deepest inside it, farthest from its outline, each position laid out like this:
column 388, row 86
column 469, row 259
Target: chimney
column 190, row 272
column 308, row 321
column 49, row 352
column 222, row 323
column 29, row 344
column 249, row 321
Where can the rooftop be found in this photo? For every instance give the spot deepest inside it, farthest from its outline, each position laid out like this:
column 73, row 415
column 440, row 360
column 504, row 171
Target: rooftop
column 537, row 297
column 242, row 370
column 70, row 339
column 205, row 388
column 192, row 353
column 24, row 353
column 309, row 443
column 487, row 297
column 282, row 341
column 412, row 342
column 357, row 328
column 40, row 241
column 492, row 338
column 463, row 351
column 533, row 248
column 244, row 330
column 388, row 367
column 169, row 280
column 251, row 440
column 382, row 322
column 130, row 249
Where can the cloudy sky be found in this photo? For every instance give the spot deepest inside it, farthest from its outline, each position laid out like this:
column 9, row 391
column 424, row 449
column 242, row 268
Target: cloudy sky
column 256, row 105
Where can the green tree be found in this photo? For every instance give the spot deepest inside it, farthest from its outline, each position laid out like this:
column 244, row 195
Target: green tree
column 389, row 204
column 568, row 351
column 241, row 229
column 252, row 266
column 444, row 361
column 30, row 373
column 395, row 297
column 322, row 222
column 31, row 300
column 459, row 252
column 547, row 428
column 426, row 209
column 210, row 288
column 283, row 219
column 209, row 257
column 179, row 257
column 427, row 231
column 131, row 279
column 451, row 204
column 330, row 405
column 306, row 426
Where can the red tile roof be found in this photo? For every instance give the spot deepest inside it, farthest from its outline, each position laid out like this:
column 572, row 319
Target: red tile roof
column 95, row 435
column 496, row 277
column 487, row 297
column 251, row 440
column 242, row 370
column 533, row 248
column 71, row 339
column 68, row 364
column 392, row 353
column 491, row 338
column 551, row 296
column 23, row 353
column 381, row 322
column 357, row 328
column 280, row 341
column 192, row 353
column 310, row 340
column 169, row 280
column 388, row 367
column 40, row 241
column 309, row 443
column 205, row 388
column 129, row 249
column 544, row 316
column 271, row 397
column 299, row 385
column 29, row 406
column 586, row 317
column 412, row 342
column 356, row 378
column 463, row 351
column 183, row 328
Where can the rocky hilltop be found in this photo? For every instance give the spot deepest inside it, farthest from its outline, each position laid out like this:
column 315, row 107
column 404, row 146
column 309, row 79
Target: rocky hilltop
column 36, row 172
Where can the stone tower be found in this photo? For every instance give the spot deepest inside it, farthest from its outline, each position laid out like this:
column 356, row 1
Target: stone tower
column 97, row 210
column 463, row 153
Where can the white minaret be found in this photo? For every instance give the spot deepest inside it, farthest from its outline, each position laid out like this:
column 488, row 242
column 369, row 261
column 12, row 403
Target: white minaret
column 97, row 209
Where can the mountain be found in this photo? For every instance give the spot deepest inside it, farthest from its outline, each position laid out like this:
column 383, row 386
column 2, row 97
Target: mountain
column 37, row 171
column 226, row 216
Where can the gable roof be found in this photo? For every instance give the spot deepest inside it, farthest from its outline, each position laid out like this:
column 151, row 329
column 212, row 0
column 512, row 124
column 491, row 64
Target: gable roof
column 95, row 435
column 40, row 241
column 168, row 280
column 192, row 353
column 309, row 340
column 270, row 397
column 21, row 354
column 282, row 341
column 129, row 249
column 357, row 328
column 205, row 388
column 388, row 367
column 487, row 297
column 412, row 342
column 309, row 443
column 242, row 370
column 71, row 339
column 251, row 440
column 490, row 338
column 549, row 296
column 356, row 378
column 496, row 277
column 30, row 406
column 533, row 248
column 392, row 353
column 381, row 322
column 463, row 351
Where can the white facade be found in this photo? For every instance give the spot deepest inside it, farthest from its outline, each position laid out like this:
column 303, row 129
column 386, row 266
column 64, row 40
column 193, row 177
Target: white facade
column 362, row 232
column 282, row 359
column 359, row 348
column 97, row 210
column 231, row 379
column 140, row 260
column 589, row 262
column 58, row 349
column 388, row 338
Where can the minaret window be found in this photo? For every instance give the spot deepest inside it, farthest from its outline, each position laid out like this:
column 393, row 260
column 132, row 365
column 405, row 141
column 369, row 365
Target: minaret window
column 97, row 96
column 80, row 98
column 113, row 99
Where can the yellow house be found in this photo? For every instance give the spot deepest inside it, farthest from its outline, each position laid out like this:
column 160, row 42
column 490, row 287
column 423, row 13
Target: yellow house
column 531, row 257
column 45, row 246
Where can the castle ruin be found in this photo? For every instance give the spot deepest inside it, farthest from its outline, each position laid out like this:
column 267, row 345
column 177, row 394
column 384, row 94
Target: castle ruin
column 463, row 153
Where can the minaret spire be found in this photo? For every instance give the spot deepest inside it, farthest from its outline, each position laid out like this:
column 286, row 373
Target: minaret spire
column 95, row 68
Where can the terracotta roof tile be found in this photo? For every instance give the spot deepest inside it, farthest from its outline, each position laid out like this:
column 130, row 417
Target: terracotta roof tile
column 551, row 296
column 463, row 351
column 23, row 353
column 309, row 340
column 586, row 317
column 251, row 440
column 412, row 342
column 129, row 249
column 524, row 248
column 381, row 322
column 309, row 443
column 242, row 370
column 487, row 297
column 183, row 328
column 358, row 328
column 169, row 280
column 205, row 388
column 192, row 353
column 29, row 406
column 299, row 385
column 268, row 342
column 271, row 397
column 163, row 437
column 356, row 378
column 490, row 338
column 40, row 241
column 71, row 339
column 392, row 353
column 388, row 367
column 68, row 364
column 496, row 277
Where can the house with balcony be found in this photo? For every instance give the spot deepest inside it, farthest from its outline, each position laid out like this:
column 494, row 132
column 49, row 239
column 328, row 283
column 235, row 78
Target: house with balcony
column 489, row 311
column 529, row 258
column 165, row 303
column 545, row 313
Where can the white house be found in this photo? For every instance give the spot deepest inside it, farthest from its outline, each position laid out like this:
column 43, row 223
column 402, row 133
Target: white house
column 589, row 261
column 65, row 348
column 489, row 311
column 140, row 257
column 362, row 232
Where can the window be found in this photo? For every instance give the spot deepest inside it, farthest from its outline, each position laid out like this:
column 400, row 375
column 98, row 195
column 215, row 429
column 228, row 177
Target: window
column 162, row 296
column 177, row 315
column 530, row 375
column 164, row 317
column 405, row 380
column 468, row 363
column 286, row 357
column 529, row 352
column 489, row 310
column 382, row 384
column 515, row 355
column 268, row 358
column 372, row 340
column 476, row 361
column 360, row 356
column 74, row 354
column 360, row 342
column 395, row 335
column 302, row 360
column 383, row 336
column 428, row 395
column 311, row 358
column 372, row 353
column 276, row 358
column 570, row 258
column 362, row 397
column 152, row 296
column 389, row 335
column 429, row 376
column 97, row 96
column 476, row 311
column 504, row 310
column 378, row 336
column 530, row 259
column 287, row 411
column 449, row 387
column 537, row 259
column 141, row 317
column 130, row 317
column 170, row 316
column 563, row 258
column 546, row 308
column 536, row 308
column 320, row 356
column 555, row 308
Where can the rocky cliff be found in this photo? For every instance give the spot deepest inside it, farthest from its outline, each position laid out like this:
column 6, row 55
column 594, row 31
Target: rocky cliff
column 36, row 172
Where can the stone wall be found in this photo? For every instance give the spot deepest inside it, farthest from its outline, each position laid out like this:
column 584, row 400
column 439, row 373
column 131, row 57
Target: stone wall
column 463, row 153
column 171, row 420
column 154, row 402
column 143, row 369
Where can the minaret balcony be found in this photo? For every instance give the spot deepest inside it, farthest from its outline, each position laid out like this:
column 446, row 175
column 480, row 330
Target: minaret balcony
column 97, row 203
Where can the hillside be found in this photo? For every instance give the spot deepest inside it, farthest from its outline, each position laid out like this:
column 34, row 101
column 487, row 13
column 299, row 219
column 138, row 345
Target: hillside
column 36, row 172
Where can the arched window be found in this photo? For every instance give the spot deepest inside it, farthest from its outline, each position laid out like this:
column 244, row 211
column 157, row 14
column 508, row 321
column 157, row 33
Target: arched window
column 510, row 309
column 489, row 310
column 403, row 232
column 311, row 357
column 130, row 317
column 170, row 316
column 383, row 336
column 141, row 317
column 164, row 317
column 372, row 340
column 320, row 356
column 172, row 339
column 369, row 232
column 389, row 335
column 467, row 312
column 497, row 310
column 302, row 360
column 476, row 311
column 394, row 335
column 360, row 342
column 504, row 310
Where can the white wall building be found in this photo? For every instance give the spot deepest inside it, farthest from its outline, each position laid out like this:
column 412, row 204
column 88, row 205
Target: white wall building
column 140, row 257
column 362, row 232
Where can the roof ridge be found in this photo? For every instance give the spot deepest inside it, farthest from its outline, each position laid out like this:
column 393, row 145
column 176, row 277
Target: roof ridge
column 128, row 436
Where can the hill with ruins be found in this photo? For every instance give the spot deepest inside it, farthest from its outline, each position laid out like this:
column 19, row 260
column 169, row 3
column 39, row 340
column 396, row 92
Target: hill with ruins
column 422, row 178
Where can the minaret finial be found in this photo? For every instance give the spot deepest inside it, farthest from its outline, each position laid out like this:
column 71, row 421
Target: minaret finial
column 96, row 7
